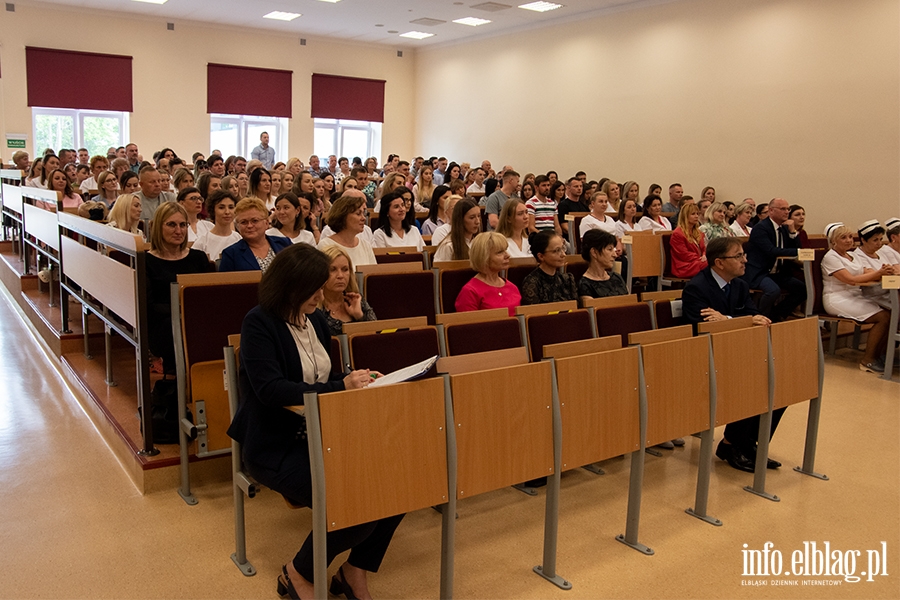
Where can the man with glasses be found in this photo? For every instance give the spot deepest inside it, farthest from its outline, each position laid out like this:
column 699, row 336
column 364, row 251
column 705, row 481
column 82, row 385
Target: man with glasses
column 773, row 240
column 717, row 293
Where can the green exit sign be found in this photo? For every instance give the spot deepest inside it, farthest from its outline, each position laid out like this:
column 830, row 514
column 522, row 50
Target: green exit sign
column 13, row 143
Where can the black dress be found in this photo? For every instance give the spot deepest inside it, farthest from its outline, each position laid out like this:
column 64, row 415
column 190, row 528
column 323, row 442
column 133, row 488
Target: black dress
column 161, row 274
column 614, row 286
column 540, row 288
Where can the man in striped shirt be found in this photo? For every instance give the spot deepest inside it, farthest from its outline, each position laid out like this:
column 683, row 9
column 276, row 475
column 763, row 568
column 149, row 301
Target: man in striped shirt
column 542, row 209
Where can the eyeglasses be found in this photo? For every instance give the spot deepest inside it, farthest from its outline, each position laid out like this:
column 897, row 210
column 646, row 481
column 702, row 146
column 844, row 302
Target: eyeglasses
column 740, row 256
column 253, row 222
column 560, row 250
column 176, row 225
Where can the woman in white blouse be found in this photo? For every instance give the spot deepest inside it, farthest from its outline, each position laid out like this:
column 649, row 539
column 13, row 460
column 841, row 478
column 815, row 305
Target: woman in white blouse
column 627, row 222
column 394, row 229
column 742, row 215
column 513, row 226
column 192, row 202
column 653, row 219
column 291, row 219
column 220, row 208
column 347, row 219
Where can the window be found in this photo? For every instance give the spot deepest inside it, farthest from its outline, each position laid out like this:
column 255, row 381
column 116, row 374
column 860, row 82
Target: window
column 347, row 138
column 95, row 130
column 238, row 135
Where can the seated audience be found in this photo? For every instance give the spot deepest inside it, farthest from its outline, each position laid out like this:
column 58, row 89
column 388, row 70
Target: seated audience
column 687, row 248
column 108, row 188
column 611, row 189
column 570, row 203
column 192, row 202
column 220, row 208
column 772, row 241
column 229, row 183
column 394, row 229
column 716, row 222
column 437, row 211
column 548, row 282
column 597, row 219
column 798, row 216
column 287, row 181
column 276, row 177
column 441, row 233
column 169, row 257
column 627, row 218
column 243, row 183
column 341, row 301
column 292, row 220
column 423, row 190
column 488, row 256
column 542, row 207
column 126, row 214
column 742, row 215
column 890, row 252
column 284, row 354
column 129, row 182
column 762, row 212
column 182, row 179
column 347, row 219
column 715, row 294
column 255, row 250
column 58, row 182
column 871, row 240
column 598, row 247
column 34, row 174
column 261, row 187
column 465, row 224
column 842, row 272
column 513, row 226
column 653, row 219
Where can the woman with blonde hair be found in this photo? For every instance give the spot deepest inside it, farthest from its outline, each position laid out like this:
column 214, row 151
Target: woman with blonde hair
column 488, row 256
column 230, row 184
column 255, row 251
column 716, row 222
column 687, row 247
column 107, row 189
column 513, row 226
column 611, row 189
column 390, row 182
column 465, row 223
column 341, row 300
column 126, row 214
column 424, row 188
column 294, row 166
column 630, row 191
column 742, row 215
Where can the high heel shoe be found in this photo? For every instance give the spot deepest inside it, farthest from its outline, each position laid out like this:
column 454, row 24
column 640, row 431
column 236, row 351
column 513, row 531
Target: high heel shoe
column 285, row 587
column 340, row 586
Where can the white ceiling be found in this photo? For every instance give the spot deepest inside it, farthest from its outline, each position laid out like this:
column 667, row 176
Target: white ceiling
column 368, row 21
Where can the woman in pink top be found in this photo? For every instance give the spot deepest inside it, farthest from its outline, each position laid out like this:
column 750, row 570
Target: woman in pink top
column 488, row 255
column 58, row 182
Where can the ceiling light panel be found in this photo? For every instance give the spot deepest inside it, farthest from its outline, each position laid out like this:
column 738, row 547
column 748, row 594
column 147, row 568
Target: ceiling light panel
column 540, row 6
column 152, row 1
column 416, row 35
column 472, row 21
column 282, row 16
column 491, row 6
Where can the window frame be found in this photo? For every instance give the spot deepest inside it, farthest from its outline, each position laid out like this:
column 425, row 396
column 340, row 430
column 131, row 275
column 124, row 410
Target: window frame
column 373, row 131
column 78, row 116
column 244, row 123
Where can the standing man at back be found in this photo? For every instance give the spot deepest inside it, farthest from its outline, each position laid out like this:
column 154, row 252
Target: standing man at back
column 773, row 240
column 264, row 153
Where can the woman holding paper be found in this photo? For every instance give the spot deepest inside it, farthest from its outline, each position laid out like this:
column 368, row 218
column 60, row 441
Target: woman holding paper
column 284, row 354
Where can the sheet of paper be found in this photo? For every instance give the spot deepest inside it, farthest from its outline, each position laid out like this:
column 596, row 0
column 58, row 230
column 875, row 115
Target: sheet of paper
column 405, row 374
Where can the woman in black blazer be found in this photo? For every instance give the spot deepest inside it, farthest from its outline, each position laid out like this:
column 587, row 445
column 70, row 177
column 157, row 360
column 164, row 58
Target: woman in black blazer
column 284, row 354
column 256, row 250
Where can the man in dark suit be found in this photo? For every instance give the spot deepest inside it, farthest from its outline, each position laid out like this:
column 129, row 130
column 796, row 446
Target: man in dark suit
column 771, row 241
column 717, row 293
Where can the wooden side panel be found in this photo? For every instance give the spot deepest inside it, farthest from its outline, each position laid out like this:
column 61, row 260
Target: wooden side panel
column 742, row 373
column 653, row 336
column 111, row 282
column 646, row 258
column 504, row 428
column 42, row 224
column 677, row 378
column 795, row 349
column 208, row 385
column 580, row 347
column 598, row 395
column 385, row 451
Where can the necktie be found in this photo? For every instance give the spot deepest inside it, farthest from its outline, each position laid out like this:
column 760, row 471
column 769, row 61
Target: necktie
column 727, row 289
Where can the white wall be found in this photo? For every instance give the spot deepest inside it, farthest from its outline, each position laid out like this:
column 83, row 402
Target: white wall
column 169, row 71
column 760, row 98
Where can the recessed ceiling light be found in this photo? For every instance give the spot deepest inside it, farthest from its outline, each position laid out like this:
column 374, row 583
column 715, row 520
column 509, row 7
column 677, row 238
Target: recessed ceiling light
column 416, row 35
column 152, row 1
column 540, row 6
column 282, row 16
column 331, row 1
column 472, row 21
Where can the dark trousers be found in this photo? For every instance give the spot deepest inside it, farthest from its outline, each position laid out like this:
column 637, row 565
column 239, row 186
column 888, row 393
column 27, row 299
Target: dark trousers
column 369, row 542
column 772, row 286
column 744, row 434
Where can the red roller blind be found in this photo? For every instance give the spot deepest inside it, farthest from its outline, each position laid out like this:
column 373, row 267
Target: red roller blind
column 234, row 90
column 337, row 97
column 68, row 79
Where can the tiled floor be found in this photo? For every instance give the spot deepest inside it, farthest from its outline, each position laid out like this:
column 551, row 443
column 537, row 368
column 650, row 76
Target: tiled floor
column 73, row 526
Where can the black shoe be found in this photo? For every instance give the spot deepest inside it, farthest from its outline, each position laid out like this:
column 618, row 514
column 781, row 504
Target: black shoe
column 285, row 587
column 734, row 457
column 772, row 464
column 340, row 586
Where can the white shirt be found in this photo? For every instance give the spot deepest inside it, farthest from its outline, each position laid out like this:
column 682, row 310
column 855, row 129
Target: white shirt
column 475, row 189
column 360, row 255
column 366, row 235
column 648, row 224
column 736, row 228
column 89, row 184
column 213, row 244
column 514, row 251
column 304, row 237
column 623, row 229
column 410, row 238
column 201, row 227
column 314, row 359
column 440, row 233
column 589, row 222
column 889, row 255
column 445, row 251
